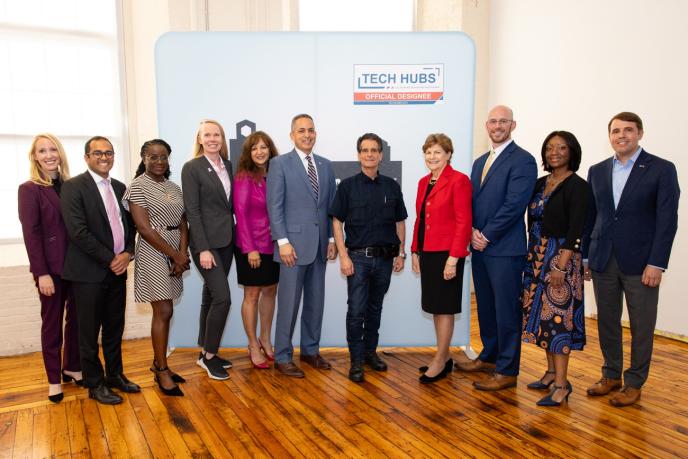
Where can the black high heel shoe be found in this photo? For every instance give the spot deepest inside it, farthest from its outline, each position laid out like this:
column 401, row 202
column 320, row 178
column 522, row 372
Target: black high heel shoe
column 56, row 398
column 547, row 399
column 424, row 368
column 539, row 385
column 175, row 377
column 448, row 367
column 66, row 378
column 174, row 391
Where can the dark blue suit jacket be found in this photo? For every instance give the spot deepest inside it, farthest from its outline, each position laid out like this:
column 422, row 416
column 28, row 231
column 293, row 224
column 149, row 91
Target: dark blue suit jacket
column 499, row 203
column 641, row 230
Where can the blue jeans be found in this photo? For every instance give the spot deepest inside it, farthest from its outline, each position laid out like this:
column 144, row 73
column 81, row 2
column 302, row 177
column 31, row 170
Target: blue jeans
column 366, row 288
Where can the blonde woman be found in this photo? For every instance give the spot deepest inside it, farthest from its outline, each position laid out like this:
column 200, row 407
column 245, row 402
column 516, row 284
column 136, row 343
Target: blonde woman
column 45, row 238
column 207, row 190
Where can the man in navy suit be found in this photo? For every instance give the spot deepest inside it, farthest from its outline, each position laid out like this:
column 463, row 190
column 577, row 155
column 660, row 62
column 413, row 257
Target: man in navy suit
column 635, row 215
column 503, row 180
column 300, row 189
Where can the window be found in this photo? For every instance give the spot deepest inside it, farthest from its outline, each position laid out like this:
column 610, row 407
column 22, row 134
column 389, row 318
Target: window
column 356, row 15
column 60, row 74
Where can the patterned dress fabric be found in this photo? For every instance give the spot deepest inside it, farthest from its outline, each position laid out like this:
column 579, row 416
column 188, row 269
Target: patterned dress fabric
column 165, row 205
column 553, row 318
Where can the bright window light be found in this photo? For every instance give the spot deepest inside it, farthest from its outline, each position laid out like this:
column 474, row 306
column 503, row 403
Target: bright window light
column 356, row 15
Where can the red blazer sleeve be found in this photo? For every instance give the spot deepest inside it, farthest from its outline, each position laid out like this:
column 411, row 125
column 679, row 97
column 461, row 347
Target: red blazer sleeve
column 462, row 192
column 422, row 187
column 32, row 228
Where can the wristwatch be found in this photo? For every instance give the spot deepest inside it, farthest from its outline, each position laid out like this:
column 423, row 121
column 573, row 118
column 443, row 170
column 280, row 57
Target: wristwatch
column 402, row 255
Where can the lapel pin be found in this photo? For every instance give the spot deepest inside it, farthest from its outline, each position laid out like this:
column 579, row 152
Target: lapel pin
column 641, row 165
column 210, row 169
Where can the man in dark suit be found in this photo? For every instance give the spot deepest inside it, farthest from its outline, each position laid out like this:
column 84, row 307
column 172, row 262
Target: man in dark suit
column 635, row 215
column 300, row 189
column 101, row 244
column 503, row 180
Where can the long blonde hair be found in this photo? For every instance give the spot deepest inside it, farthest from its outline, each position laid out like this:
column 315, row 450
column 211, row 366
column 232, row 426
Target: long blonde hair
column 36, row 174
column 198, row 148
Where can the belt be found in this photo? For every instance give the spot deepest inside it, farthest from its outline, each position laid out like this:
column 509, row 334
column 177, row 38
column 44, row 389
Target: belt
column 389, row 251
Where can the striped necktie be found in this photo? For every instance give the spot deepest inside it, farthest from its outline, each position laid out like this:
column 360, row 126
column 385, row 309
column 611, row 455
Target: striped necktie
column 312, row 175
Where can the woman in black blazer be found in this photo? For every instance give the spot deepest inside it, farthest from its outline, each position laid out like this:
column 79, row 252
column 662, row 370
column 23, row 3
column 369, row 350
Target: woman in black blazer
column 553, row 313
column 207, row 191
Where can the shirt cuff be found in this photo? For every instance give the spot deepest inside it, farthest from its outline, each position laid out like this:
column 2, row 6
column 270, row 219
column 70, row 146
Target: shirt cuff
column 658, row 267
column 282, row 241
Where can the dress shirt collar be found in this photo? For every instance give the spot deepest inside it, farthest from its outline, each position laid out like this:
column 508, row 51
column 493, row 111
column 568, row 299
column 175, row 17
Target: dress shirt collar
column 502, row 147
column 303, row 155
column 631, row 161
column 97, row 178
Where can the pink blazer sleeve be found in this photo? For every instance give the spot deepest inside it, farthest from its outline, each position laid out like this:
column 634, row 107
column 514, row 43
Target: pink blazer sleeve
column 242, row 211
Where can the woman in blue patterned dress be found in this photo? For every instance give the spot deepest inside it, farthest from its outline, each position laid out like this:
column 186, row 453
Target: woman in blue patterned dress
column 553, row 313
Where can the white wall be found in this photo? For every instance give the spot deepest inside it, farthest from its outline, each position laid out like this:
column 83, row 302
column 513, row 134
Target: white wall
column 573, row 65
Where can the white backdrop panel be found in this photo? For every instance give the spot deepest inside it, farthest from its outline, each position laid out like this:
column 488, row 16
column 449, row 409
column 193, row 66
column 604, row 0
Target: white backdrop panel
column 267, row 78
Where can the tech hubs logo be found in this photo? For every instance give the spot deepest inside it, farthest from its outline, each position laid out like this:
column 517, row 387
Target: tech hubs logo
column 385, row 84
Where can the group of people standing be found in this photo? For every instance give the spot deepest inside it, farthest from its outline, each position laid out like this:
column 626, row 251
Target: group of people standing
column 616, row 228
column 282, row 217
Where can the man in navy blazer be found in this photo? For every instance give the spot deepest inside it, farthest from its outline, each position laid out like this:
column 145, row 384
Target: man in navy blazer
column 300, row 189
column 634, row 217
column 503, row 180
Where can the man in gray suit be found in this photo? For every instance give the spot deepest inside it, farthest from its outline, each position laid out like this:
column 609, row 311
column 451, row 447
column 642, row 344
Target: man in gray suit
column 300, row 189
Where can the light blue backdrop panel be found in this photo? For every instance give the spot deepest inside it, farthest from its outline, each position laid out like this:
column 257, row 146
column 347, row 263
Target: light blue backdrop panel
column 260, row 81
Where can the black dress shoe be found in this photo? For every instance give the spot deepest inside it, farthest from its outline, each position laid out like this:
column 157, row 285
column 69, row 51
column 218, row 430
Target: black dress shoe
column 122, row 383
column 375, row 362
column 56, row 398
column 356, row 372
column 103, row 394
column 448, row 366
column 67, row 378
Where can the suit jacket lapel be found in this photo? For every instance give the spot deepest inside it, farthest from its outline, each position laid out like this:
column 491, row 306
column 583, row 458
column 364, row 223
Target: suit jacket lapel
column 321, row 177
column 215, row 178
column 607, row 188
column 501, row 159
column 639, row 168
column 51, row 196
column 93, row 190
column 301, row 170
column 442, row 182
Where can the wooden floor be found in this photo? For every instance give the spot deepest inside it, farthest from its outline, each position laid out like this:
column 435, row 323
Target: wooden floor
column 258, row 413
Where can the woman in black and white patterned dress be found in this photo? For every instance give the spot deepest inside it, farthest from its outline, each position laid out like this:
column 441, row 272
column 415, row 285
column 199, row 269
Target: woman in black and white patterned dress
column 157, row 207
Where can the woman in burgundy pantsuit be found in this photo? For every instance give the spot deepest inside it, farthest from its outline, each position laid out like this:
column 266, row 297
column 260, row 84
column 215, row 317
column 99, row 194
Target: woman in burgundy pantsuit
column 45, row 238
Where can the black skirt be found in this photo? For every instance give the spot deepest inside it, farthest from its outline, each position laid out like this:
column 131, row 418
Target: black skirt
column 266, row 274
column 439, row 296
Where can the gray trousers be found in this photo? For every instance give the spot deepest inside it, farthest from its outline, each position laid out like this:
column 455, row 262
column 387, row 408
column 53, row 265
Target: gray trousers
column 610, row 286
column 307, row 281
column 215, row 299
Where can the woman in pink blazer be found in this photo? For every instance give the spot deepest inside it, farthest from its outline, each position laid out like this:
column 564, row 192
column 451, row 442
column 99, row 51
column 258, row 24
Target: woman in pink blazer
column 45, row 237
column 256, row 269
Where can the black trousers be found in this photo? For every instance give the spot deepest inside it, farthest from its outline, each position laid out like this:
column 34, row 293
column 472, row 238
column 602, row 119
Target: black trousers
column 100, row 305
column 215, row 300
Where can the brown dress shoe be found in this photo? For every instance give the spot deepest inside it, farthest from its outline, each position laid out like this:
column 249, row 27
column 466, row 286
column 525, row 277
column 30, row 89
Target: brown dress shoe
column 316, row 361
column 495, row 382
column 604, row 386
column 626, row 396
column 474, row 365
column 289, row 369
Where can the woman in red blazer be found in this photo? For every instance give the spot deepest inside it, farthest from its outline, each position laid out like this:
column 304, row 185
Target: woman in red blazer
column 441, row 235
column 45, row 238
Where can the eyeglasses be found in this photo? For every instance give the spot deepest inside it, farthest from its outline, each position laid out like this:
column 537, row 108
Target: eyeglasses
column 156, row 158
column 102, row 154
column 502, row 122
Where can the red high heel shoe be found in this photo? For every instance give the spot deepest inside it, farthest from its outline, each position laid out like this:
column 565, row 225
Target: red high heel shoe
column 261, row 366
column 271, row 357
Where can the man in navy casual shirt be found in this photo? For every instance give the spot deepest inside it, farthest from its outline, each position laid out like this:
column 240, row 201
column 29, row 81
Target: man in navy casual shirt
column 371, row 208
